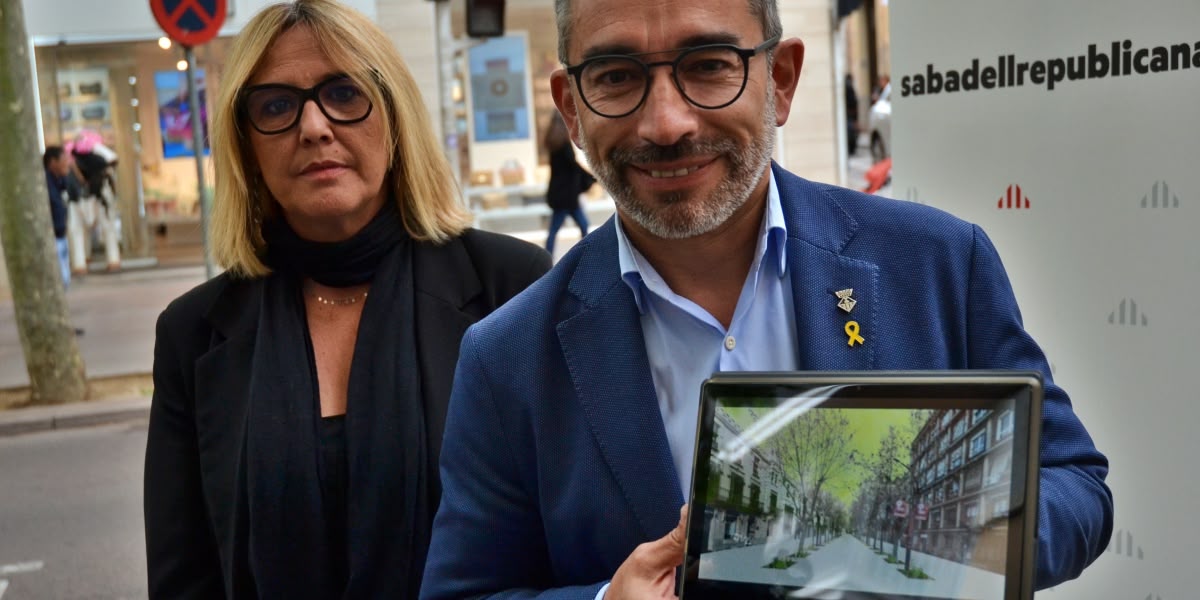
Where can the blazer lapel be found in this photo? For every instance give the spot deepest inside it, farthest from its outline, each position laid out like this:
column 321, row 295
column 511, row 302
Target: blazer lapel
column 606, row 356
column 223, row 373
column 445, row 281
column 222, row 386
column 818, row 230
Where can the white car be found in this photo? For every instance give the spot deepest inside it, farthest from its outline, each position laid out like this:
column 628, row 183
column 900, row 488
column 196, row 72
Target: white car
column 880, row 123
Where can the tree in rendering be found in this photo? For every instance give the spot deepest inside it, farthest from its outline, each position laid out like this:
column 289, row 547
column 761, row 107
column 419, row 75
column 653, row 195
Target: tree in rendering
column 814, row 447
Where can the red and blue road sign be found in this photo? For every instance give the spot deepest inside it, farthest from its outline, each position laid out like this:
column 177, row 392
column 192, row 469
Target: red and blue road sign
column 189, row 22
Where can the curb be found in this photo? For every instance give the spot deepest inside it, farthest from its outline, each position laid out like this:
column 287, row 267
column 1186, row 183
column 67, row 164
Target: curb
column 67, row 416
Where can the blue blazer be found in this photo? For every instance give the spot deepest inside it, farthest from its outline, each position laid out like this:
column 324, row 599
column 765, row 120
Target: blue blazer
column 555, row 463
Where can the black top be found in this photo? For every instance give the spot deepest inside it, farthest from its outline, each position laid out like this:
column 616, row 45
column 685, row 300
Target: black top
column 334, row 487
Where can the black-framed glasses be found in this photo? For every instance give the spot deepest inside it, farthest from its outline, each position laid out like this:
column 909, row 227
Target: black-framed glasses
column 275, row 108
column 711, row 76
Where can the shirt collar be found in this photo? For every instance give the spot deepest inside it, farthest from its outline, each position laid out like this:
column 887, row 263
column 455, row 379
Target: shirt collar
column 635, row 269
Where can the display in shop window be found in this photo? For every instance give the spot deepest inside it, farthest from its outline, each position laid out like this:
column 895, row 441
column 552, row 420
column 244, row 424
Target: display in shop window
column 499, row 103
column 174, row 112
column 83, row 101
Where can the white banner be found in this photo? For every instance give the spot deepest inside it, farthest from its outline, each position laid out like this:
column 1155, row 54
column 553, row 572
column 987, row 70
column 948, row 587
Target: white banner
column 1070, row 130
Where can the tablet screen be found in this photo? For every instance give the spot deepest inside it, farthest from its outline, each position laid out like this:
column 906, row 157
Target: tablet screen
column 823, row 489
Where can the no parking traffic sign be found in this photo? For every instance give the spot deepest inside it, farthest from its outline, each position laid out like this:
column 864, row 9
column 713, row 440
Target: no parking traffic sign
column 189, row 22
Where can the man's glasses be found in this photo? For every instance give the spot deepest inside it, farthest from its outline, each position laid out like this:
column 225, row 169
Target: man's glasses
column 710, row 76
column 275, row 108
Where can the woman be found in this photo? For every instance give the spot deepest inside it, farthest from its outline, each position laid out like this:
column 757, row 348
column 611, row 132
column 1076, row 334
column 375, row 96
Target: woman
column 567, row 181
column 300, row 397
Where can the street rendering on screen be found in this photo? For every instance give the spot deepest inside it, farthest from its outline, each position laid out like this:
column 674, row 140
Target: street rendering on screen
column 892, row 501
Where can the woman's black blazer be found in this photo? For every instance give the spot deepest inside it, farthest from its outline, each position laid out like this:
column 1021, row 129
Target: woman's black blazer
column 203, row 349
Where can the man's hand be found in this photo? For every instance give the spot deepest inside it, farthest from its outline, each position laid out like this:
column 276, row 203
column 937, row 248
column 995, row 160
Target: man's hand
column 649, row 573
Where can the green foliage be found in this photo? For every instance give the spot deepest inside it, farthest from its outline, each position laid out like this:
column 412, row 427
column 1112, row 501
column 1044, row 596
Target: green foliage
column 780, row 563
column 915, row 573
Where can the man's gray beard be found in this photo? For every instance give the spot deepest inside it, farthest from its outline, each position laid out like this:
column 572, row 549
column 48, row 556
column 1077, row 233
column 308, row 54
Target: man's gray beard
column 681, row 218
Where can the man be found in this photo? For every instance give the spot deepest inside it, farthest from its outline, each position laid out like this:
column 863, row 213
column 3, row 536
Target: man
column 57, row 167
column 570, row 431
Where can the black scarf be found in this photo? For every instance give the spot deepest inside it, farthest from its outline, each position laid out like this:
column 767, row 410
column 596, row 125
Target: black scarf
column 336, row 264
column 388, row 500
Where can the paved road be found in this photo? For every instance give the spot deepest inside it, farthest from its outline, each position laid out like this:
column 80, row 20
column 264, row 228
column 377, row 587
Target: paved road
column 846, row 563
column 71, row 500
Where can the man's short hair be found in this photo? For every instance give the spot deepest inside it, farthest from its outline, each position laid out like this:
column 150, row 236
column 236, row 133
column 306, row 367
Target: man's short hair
column 52, row 154
column 767, row 12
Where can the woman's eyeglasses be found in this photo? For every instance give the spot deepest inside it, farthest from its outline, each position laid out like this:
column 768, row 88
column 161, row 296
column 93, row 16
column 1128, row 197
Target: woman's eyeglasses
column 275, row 108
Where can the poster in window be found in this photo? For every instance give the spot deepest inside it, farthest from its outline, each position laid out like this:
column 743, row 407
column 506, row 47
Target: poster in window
column 83, row 100
column 500, row 105
column 174, row 112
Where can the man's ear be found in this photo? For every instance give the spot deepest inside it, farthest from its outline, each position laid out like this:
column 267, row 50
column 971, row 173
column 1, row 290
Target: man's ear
column 785, row 71
column 564, row 99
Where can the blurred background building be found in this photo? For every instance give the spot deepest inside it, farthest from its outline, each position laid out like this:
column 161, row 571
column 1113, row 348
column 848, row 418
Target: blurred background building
column 106, row 67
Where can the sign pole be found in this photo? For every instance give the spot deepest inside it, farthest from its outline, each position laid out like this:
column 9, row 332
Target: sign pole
column 191, row 23
column 198, row 144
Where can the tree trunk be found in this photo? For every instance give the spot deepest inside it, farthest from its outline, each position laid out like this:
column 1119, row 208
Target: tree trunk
column 56, row 371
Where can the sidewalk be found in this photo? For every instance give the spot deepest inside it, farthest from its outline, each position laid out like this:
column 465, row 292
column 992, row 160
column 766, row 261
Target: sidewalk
column 81, row 414
column 117, row 313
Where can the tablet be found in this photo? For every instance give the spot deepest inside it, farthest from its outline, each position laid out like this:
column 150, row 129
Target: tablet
column 879, row 485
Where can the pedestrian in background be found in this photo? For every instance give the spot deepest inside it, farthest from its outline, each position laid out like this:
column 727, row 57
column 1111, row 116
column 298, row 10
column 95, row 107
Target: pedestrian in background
column 851, row 116
column 297, row 422
column 568, row 179
column 96, row 209
column 58, row 168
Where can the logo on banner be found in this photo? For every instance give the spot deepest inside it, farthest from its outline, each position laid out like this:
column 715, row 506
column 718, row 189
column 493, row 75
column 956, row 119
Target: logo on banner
column 1160, row 196
column 1013, row 198
column 1121, row 544
column 912, row 194
column 1131, row 317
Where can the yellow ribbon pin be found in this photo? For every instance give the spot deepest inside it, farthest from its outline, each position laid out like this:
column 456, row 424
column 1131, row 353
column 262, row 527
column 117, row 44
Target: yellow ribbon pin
column 852, row 331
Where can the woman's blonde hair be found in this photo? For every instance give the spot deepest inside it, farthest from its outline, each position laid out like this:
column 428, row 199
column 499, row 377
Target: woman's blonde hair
column 419, row 177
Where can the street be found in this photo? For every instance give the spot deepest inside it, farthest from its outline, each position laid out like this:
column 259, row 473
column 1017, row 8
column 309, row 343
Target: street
column 71, row 514
column 846, row 563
